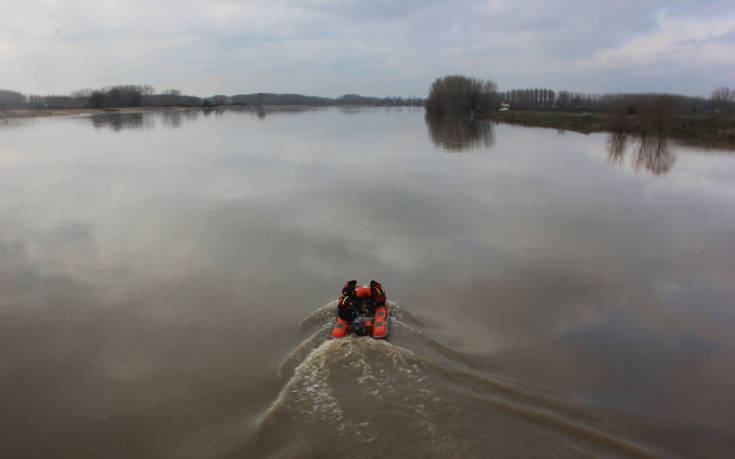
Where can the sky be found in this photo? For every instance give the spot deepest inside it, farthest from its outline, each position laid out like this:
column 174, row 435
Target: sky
column 373, row 48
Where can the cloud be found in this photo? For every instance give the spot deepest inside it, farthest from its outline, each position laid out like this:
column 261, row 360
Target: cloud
column 326, row 47
column 692, row 40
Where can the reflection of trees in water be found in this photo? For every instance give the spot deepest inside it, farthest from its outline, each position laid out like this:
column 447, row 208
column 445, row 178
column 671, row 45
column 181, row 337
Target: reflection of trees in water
column 652, row 152
column 460, row 133
column 174, row 119
column 12, row 123
column 263, row 111
column 120, row 121
column 616, row 143
column 391, row 109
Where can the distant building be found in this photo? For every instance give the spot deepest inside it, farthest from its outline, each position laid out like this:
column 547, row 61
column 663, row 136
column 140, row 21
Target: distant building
column 504, row 107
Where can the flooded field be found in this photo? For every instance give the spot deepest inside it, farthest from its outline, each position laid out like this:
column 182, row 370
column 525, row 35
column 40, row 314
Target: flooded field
column 168, row 283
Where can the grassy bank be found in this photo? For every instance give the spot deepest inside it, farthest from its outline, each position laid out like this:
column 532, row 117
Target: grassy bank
column 704, row 130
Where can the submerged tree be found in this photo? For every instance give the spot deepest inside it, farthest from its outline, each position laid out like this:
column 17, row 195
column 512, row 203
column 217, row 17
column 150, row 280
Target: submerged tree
column 459, row 95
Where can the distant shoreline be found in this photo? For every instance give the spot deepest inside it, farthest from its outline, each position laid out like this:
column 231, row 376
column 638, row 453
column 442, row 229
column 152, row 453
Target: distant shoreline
column 702, row 130
column 51, row 112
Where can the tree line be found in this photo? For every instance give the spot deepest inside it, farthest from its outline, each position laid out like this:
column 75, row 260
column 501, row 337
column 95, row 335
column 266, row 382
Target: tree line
column 145, row 96
column 457, row 94
column 453, row 94
column 300, row 99
column 721, row 101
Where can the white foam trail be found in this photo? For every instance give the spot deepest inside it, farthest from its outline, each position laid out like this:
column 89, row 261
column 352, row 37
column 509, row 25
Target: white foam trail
column 308, row 380
column 299, row 353
column 321, row 314
column 310, row 393
column 315, row 393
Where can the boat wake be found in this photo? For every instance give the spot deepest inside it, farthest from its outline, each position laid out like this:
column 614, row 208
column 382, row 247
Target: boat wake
column 413, row 396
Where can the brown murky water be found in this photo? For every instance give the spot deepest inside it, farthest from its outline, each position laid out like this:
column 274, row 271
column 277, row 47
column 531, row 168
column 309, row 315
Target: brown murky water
column 167, row 283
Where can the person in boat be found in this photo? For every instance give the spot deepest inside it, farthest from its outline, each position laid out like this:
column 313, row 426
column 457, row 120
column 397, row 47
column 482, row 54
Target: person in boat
column 346, row 306
column 377, row 293
column 377, row 298
column 356, row 311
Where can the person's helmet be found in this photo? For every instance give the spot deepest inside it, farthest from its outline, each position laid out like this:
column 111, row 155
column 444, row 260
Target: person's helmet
column 358, row 326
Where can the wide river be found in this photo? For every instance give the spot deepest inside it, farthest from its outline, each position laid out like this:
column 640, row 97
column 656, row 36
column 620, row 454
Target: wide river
column 168, row 284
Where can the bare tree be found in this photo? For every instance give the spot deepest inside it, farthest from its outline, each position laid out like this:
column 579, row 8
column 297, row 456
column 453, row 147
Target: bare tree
column 658, row 114
column 723, row 98
column 457, row 95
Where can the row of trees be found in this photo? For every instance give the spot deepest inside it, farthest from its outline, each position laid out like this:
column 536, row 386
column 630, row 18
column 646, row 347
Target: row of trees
column 548, row 99
column 356, row 99
column 110, row 97
column 531, row 98
column 453, row 94
column 456, row 94
column 143, row 95
column 300, row 99
column 119, row 96
column 722, row 101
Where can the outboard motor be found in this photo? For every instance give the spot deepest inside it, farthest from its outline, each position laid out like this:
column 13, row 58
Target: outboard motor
column 358, row 326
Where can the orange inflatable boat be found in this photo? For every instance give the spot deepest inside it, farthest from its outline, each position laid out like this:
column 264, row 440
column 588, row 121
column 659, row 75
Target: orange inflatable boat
column 375, row 325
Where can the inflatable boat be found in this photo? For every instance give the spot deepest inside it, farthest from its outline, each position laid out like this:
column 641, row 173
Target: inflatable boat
column 364, row 324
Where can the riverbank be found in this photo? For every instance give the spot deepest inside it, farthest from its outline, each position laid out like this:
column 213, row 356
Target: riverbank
column 703, row 130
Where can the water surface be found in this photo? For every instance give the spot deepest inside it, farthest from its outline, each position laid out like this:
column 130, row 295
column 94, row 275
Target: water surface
column 167, row 281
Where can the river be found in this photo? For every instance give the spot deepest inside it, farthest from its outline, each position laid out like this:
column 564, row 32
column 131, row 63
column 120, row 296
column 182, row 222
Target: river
column 168, row 281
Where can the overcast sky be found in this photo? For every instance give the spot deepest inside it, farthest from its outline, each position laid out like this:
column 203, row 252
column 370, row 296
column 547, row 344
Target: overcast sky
column 376, row 47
